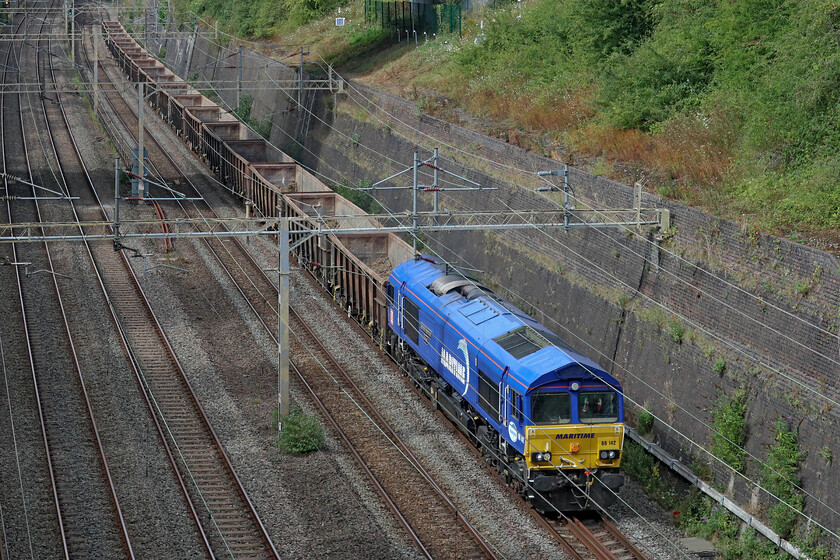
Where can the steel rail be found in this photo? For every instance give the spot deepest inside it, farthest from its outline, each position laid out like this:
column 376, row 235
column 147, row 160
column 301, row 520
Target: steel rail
column 21, row 298
column 360, row 461
column 393, row 436
column 549, row 526
column 120, row 330
column 627, row 543
column 582, row 534
column 121, row 333
column 227, row 465
column 110, row 482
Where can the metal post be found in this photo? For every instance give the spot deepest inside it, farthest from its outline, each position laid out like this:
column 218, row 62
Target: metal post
column 300, row 87
column 414, row 207
column 141, row 163
column 239, row 80
column 283, row 324
column 192, row 47
column 117, row 202
column 435, row 175
column 95, row 69
column 73, row 33
column 66, row 23
column 566, row 211
column 637, row 202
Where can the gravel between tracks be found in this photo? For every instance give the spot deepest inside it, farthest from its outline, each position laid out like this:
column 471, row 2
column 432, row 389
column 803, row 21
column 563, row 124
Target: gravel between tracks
column 641, row 519
column 152, row 504
column 315, row 505
column 29, row 518
column 231, row 365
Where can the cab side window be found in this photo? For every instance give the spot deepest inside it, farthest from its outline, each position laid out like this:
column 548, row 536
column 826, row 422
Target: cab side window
column 516, row 406
column 551, row 408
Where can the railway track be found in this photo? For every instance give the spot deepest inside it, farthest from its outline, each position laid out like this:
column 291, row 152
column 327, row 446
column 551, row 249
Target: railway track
column 582, row 539
column 592, row 537
column 401, row 491
column 88, row 512
column 589, row 536
column 225, row 518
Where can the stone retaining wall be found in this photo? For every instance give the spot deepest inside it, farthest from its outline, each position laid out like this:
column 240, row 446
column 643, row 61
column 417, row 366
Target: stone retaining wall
column 766, row 306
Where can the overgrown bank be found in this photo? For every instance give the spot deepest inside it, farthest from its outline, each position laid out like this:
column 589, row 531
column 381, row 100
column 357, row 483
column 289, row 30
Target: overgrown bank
column 730, row 106
column 733, row 105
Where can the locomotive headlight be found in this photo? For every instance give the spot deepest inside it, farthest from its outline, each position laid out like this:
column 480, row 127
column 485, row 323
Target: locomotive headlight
column 608, row 454
column 613, row 454
column 546, row 456
column 540, row 456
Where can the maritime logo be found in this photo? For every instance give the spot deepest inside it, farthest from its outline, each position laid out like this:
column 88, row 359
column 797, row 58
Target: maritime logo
column 458, row 369
column 462, row 346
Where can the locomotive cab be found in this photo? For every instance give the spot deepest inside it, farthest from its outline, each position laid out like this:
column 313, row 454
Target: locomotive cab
column 573, row 445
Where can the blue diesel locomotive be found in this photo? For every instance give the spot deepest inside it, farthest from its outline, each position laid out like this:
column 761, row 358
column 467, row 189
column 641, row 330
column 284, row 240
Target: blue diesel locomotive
column 549, row 419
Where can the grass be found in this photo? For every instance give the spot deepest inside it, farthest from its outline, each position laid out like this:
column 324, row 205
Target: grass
column 700, row 144
column 716, row 105
column 644, row 422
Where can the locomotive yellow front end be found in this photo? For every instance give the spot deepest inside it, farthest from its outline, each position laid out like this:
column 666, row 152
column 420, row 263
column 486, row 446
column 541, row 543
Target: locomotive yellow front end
column 573, row 467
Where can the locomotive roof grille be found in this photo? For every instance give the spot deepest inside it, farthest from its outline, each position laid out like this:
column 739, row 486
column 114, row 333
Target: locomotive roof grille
column 526, row 340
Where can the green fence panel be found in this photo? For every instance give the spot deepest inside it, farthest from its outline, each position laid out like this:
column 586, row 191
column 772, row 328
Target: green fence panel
column 414, row 17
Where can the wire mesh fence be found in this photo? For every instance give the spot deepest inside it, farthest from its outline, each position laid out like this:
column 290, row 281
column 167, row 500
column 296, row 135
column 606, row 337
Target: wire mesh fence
column 414, row 18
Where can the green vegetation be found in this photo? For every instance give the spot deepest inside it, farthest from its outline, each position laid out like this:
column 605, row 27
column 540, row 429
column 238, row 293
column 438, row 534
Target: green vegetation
column 698, row 515
column 705, row 518
column 257, row 19
column 643, row 467
column 360, row 198
column 825, row 453
column 676, row 330
column 301, row 433
column 734, row 105
column 730, row 425
column 243, row 112
column 644, row 424
column 780, row 476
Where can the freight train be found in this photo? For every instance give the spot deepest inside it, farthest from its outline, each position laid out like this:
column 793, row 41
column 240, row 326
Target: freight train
column 549, row 419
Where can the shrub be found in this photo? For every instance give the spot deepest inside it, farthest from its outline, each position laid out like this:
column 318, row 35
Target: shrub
column 720, row 366
column 645, row 422
column 362, row 199
column 780, row 477
column 803, row 287
column 301, row 433
column 729, row 423
column 825, row 453
column 676, row 330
